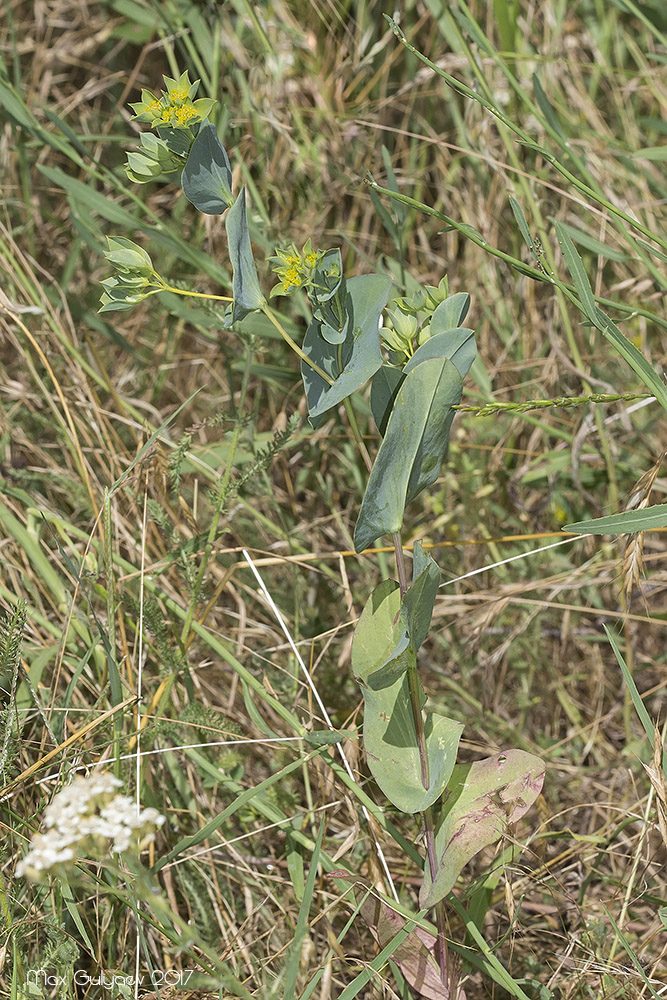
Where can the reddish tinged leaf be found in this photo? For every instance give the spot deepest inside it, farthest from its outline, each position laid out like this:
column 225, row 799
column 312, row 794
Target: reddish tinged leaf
column 415, row 955
column 484, row 798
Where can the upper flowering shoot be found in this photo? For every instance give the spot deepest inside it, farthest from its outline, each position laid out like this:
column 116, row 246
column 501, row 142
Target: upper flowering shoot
column 295, row 269
column 90, row 820
column 176, row 107
column 176, row 116
column 412, row 320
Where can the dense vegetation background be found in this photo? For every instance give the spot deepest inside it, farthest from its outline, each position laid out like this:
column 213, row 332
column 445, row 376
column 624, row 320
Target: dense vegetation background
column 101, row 534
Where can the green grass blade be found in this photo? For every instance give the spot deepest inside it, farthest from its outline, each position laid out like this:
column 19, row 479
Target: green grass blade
column 630, row 953
column 644, row 717
column 624, row 523
column 576, row 268
column 301, row 929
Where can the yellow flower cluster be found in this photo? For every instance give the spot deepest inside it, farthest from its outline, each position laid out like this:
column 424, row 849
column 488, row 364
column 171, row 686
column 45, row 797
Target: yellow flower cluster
column 179, row 116
column 177, row 106
column 295, row 269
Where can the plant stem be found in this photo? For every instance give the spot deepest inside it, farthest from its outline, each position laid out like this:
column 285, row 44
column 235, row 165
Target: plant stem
column 439, row 908
column 195, row 295
column 400, row 562
column 427, row 815
column 270, row 315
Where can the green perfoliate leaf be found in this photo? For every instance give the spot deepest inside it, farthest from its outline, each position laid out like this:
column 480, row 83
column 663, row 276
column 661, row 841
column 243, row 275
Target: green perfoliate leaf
column 384, row 651
column 207, row 175
column 354, row 361
column 178, row 141
column 245, row 284
column 417, row 435
column 450, row 313
column 483, row 799
column 120, row 295
column 457, row 345
column 383, row 392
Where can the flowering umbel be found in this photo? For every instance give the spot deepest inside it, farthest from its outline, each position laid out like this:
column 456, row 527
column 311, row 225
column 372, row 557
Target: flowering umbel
column 176, row 116
column 88, row 819
column 176, row 107
column 295, row 269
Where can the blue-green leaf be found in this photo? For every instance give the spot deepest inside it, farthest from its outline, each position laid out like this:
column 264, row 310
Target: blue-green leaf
column 383, row 392
column 413, row 448
column 458, row 345
column 354, row 361
column 207, row 176
column 245, row 283
column 450, row 313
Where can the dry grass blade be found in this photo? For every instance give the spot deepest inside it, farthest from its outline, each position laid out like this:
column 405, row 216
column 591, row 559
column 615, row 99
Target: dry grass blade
column 640, row 497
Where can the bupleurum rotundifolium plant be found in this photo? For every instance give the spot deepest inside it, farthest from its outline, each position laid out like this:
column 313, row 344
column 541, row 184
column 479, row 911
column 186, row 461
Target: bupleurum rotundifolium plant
column 416, row 353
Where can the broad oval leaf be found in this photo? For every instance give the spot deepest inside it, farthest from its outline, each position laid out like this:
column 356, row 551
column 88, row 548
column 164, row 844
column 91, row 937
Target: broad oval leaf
column 207, row 176
column 457, row 344
column 484, row 798
column 450, row 313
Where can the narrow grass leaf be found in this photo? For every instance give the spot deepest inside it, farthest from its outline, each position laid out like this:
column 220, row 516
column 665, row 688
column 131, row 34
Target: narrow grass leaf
column 576, row 268
column 625, row 523
column 293, row 960
column 547, row 108
column 491, row 965
column 652, row 250
column 655, row 153
column 634, row 357
column 631, row 954
column 640, row 708
column 522, row 223
column 87, row 195
column 243, row 799
column 151, row 441
column 595, row 246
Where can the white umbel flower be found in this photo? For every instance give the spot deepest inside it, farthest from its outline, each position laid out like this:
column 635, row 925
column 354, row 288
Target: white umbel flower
column 88, row 819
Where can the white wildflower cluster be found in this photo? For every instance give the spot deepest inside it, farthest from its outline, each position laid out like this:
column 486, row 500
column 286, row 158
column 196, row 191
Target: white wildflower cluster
column 88, row 819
